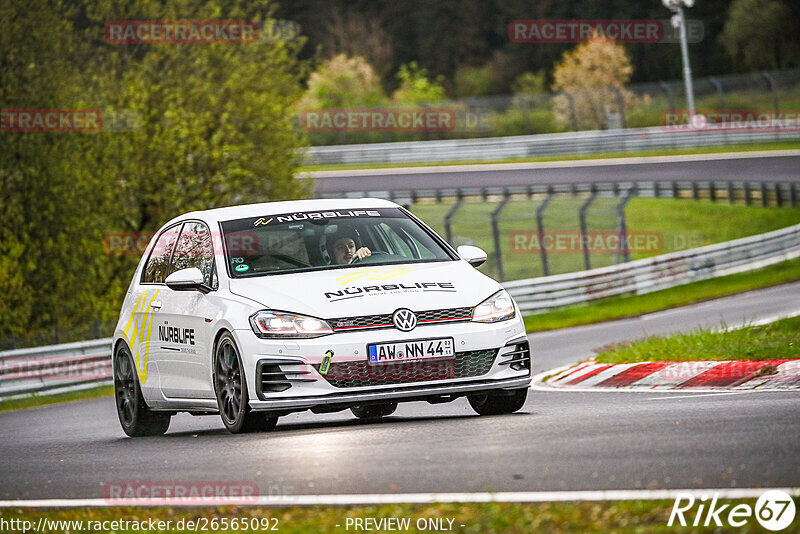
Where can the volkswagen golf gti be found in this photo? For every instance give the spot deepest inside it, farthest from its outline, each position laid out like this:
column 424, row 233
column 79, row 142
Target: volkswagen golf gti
column 254, row 312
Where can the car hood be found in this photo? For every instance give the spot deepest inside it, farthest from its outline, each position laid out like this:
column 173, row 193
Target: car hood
column 370, row 290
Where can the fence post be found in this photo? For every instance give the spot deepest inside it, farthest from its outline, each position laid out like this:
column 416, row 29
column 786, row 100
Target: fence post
column 748, row 197
column 620, row 106
column 540, row 230
column 695, row 192
column 496, row 234
column 764, row 194
column 712, row 191
column 773, row 90
column 573, row 118
column 448, row 230
column 584, row 231
column 670, row 95
column 730, row 193
column 720, row 94
column 778, row 195
column 622, row 228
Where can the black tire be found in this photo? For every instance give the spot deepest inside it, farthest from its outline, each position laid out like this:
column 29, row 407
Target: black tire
column 134, row 415
column 374, row 411
column 498, row 402
column 230, row 387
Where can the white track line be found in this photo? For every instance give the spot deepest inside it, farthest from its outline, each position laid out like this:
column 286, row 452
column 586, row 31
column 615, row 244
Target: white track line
column 424, row 498
column 558, row 164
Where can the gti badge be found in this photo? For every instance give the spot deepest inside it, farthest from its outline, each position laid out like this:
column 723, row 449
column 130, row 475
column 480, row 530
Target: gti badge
column 404, row 319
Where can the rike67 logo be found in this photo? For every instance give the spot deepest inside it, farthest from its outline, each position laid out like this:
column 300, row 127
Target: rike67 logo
column 774, row 510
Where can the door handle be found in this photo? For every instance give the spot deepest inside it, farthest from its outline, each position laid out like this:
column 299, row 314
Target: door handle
column 156, row 304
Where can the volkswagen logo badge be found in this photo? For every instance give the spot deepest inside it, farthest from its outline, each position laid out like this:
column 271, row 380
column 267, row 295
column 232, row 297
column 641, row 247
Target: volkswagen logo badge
column 404, row 319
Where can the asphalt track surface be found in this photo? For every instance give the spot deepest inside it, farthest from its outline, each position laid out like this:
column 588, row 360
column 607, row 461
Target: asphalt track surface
column 558, row 441
column 717, row 167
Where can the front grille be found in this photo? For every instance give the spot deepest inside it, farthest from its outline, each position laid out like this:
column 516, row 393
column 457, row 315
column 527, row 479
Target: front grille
column 371, row 322
column 361, row 373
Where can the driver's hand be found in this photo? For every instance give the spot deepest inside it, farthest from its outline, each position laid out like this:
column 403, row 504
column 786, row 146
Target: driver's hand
column 360, row 254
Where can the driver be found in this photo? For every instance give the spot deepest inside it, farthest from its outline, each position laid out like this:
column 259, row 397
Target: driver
column 344, row 250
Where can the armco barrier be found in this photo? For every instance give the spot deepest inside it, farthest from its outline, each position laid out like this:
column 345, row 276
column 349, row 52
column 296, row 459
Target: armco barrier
column 55, row 368
column 525, row 146
column 79, row 365
column 659, row 272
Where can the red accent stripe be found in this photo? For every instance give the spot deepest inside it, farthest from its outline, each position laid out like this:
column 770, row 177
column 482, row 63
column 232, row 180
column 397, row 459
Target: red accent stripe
column 357, row 327
column 588, row 375
column 727, row 374
column 633, row 374
column 439, row 320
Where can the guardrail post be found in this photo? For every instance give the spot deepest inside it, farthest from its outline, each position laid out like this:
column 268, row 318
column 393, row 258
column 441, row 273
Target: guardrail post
column 695, row 192
column 675, row 190
column 712, row 191
column 730, row 193
column 655, row 189
column 720, row 93
column 793, row 193
column 764, row 194
column 496, row 234
column 584, row 231
column 622, row 228
column 448, row 230
column 778, row 195
column 540, row 230
column 748, row 195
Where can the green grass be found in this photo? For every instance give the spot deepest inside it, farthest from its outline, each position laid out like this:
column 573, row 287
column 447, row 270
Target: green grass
column 748, row 147
column 773, row 341
column 678, row 224
column 44, row 400
column 629, row 306
column 635, row 516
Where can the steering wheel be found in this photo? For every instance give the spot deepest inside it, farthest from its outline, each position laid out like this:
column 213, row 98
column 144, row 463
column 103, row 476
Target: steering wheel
column 356, row 259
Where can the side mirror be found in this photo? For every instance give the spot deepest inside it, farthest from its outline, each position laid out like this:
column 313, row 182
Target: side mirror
column 475, row 256
column 190, row 279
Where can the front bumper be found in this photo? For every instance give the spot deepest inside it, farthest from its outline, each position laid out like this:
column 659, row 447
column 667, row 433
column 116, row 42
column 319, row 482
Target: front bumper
column 294, row 366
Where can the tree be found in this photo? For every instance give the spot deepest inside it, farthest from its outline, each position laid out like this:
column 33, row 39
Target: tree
column 593, row 74
column 416, row 87
column 759, row 34
column 343, row 81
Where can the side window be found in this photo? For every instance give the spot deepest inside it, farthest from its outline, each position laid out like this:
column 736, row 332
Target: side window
column 157, row 268
column 195, row 250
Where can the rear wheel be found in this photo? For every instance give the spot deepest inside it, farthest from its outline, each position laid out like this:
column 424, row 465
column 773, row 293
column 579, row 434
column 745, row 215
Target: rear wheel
column 374, row 411
column 134, row 416
column 230, row 387
column 498, row 402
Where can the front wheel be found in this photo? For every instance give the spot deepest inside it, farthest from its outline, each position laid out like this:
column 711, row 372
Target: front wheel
column 230, row 387
column 498, row 402
column 134, row 415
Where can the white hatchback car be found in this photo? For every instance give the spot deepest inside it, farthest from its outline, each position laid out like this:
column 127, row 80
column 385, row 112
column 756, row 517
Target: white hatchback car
column 258, row 311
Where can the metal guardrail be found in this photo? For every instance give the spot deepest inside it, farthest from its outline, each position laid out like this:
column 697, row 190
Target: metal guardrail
column 659, row 272
column 79, row 365
column 526, row 146
column 55, row 368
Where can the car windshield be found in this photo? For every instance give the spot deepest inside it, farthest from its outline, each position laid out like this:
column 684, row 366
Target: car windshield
column 320, row 240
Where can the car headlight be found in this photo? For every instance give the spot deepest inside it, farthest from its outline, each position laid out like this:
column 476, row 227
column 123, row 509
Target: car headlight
column 273, row 324
column 498, row 307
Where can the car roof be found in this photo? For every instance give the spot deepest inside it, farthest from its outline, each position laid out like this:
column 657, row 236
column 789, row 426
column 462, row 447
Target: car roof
column 245, row 211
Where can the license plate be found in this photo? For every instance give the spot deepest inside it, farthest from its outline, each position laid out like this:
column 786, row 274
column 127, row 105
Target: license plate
column 419, row 349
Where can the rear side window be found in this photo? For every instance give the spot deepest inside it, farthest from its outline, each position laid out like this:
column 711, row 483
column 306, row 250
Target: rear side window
column 157, row 268
column 194, row 250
